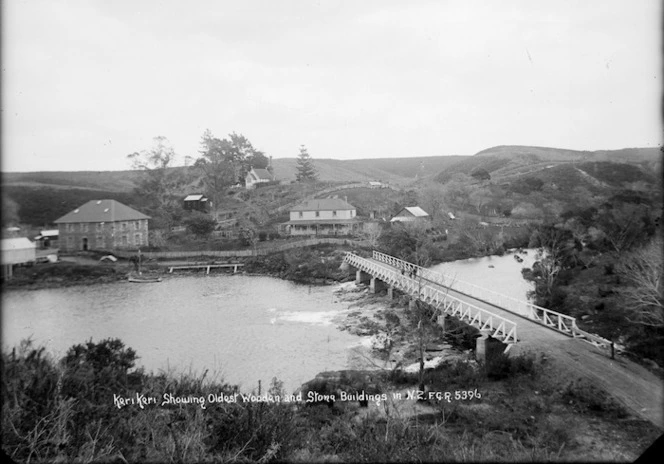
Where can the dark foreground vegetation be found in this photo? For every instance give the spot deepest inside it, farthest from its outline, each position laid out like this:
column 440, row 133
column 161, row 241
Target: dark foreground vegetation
column 604, row 266
column 85, row 408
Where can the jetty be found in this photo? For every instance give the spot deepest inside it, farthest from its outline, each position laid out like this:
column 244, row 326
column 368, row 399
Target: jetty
column 207, row 267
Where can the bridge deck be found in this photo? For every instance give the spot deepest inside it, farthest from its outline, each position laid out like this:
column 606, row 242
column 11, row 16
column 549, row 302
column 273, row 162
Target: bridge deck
column 637, row 388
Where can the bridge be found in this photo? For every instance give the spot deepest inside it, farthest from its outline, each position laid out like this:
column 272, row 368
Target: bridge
column 523, row 326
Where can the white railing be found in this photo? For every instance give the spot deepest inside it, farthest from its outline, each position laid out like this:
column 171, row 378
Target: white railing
column 432, row 294
column 552, row 319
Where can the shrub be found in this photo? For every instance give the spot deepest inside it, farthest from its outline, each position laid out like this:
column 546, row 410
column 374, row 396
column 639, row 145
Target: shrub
column 586, row 397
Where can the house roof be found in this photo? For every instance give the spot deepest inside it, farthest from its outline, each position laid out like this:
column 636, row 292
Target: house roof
column 102, row 211
column 20, row 243
column 261, row 174
column 195, row 198
column 324, row 204
column 416, row 211
column 50, row 233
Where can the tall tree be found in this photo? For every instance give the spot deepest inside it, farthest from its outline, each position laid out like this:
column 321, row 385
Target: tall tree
column 159, row 187
column 226, row 162
column 643, row 271
column 305, row 166
column 246, row 156
column 216, row 165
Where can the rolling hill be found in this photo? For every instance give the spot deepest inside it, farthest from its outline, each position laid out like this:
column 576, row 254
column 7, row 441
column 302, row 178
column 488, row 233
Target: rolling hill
column 507, row 163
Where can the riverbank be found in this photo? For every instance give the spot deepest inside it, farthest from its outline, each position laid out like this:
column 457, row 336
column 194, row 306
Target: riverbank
column 318, row 265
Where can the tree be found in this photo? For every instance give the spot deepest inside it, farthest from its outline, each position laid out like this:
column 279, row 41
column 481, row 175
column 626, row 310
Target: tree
column 200, row 224
column 245, row 156
column 371, row 232
column 625, row 225
column 10, row 208
column 226, row 162
column 305, row 166
column 432, row 200
column 480, row 174
column 643, row 271
column 159, row 188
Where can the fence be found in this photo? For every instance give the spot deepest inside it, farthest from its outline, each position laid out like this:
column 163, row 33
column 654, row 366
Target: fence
column 263, row 250
column 500, row 327
column 552, row 319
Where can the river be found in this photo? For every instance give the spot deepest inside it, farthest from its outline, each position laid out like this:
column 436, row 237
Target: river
column 241, row 329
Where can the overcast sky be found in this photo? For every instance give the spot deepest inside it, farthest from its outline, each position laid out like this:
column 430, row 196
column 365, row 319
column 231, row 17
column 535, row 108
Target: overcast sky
column 84, row 83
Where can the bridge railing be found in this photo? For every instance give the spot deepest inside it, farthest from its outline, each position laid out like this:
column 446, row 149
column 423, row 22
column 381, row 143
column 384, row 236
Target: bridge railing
column 552, row 319
column 438, row 297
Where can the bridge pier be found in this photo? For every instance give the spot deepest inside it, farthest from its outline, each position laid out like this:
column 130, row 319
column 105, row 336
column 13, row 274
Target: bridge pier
column 361, row 276
column 390, row 292
column 442, row 321
column 487, row 347
column 376, row 285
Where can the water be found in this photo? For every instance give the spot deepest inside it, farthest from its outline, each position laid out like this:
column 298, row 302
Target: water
column 503, row 277
column 243, row 328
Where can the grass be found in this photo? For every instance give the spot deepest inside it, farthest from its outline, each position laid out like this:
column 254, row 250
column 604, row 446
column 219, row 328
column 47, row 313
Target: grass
column 64, row 410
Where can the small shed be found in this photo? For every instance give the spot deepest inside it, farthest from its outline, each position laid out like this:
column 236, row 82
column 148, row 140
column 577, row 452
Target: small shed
column 196, row 202
column 48, row 238
column 16, row 251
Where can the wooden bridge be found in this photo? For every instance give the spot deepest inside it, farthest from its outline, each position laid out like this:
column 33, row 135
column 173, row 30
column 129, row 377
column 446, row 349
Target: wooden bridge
column 483, row 308
column 553, row 335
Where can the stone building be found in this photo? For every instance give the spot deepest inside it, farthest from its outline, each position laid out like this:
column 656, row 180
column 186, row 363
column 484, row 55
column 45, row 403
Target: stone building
column 102, row 225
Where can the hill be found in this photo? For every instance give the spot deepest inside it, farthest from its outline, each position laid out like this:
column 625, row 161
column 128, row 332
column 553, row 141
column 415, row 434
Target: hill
column 506, row 163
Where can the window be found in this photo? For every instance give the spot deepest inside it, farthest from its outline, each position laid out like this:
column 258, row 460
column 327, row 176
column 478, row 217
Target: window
column 99, row 242
column 301, row 214
column 70, row 242
column 125, row 241
column 84, row 226
column 99, row 226
column 334, row 213
column 317, row 213
column 137, row 239
column 70, row 227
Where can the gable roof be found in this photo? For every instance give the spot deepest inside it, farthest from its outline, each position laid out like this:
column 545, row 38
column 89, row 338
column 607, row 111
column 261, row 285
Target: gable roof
column 195, row 198
column 324, row 204
column 416, row 211
column 410, row 212
column 261, row 174
column 19, row 243
column 102, row 211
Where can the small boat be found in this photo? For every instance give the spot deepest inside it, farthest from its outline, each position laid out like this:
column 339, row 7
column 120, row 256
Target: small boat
column 144, row 280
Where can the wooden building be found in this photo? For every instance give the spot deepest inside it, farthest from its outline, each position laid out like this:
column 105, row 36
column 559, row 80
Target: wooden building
column 16, row 251
column 196, row 202
column 328, row 216
column 411, row 214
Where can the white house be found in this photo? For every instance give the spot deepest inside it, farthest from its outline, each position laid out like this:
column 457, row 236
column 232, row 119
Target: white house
column 255, row 177
column 410, row 214
column 327, row 216
column 16, row 251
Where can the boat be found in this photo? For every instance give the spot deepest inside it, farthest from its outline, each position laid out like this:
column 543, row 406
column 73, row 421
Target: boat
column 144, row 280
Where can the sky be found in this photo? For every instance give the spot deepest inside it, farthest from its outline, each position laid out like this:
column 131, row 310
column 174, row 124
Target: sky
column 87, row 82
